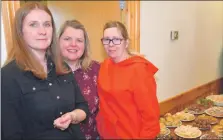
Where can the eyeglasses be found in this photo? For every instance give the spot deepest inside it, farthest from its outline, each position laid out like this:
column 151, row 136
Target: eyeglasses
column 115, row 41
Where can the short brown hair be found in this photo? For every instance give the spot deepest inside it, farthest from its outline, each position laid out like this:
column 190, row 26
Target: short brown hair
column 24, row 59
column 85, row 60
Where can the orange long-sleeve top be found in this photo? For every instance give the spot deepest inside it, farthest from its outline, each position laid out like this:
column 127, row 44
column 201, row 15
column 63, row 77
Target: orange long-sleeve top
column 128, row 105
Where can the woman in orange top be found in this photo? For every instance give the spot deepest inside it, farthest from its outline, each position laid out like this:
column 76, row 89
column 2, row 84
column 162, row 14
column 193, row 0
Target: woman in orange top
column 128, row 103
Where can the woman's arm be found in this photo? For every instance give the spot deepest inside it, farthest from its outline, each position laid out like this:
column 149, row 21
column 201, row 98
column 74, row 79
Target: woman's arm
column 81, row 112
column 78, row 116
column 147, row 103
column 10, row 105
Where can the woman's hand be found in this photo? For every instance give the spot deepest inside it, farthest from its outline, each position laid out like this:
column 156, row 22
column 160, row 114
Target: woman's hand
column 73, row 117
column 65, row 120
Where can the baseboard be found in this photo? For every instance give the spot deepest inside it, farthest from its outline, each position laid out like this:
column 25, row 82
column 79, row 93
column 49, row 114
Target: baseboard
column 180, row 101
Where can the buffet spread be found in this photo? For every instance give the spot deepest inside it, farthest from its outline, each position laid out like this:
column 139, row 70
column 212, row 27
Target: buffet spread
column 201, row 120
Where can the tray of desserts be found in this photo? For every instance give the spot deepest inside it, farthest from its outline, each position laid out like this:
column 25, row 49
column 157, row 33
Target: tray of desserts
column 184, row 116
column 215, row 111
column 164, row 130
column 196, row 109
column 217, row 99
column 187, row 131
column 170, row 121
column 209, row 136
column 207, row 103
column 202, row 123
column 218, row 129
column 211, row 119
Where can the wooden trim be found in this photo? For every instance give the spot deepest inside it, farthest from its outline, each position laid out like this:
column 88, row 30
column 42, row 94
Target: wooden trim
column 180, row 101
column 133, row 24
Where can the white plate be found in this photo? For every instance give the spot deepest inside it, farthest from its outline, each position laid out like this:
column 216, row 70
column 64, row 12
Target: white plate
column 218, row 104
column 169, row 126
column 167, row 133
column 188, row 137
column 188, row 120
column 221, row 136
column 210, row 97
column 195, row 113
column 203, row 137
column 204, row 129
column 207, row 112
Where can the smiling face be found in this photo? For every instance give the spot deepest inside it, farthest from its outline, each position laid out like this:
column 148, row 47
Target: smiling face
column 72, row 43
column 116, row 48
column 37, row 30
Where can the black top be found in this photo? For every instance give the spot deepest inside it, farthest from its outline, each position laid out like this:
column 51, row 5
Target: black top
column 30, row 105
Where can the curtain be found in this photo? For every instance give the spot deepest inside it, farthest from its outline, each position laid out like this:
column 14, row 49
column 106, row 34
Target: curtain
column 8, row 13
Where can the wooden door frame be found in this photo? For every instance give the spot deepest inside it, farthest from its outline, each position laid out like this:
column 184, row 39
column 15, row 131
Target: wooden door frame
column 133, row 24
column 132, row 12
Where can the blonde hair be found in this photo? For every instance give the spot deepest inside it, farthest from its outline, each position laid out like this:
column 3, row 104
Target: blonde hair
column 121, row 27
column 20, row 52
column 85, row 60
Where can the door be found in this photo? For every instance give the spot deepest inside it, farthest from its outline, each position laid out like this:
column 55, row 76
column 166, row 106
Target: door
column 93, row 14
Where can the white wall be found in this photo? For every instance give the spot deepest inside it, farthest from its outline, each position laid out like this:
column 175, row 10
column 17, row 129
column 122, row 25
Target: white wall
column 192, row 60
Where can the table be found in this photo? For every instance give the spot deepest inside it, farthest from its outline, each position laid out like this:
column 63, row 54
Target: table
column 172, row 135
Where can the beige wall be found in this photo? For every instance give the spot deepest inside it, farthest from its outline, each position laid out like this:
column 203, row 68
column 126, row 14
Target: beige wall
column 93, row 14
column 194, row 59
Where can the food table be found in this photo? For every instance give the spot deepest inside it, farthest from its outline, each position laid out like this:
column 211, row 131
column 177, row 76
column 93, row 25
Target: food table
column 201, row 120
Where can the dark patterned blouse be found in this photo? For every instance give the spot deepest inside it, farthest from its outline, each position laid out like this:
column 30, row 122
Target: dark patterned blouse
column 87, row 81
